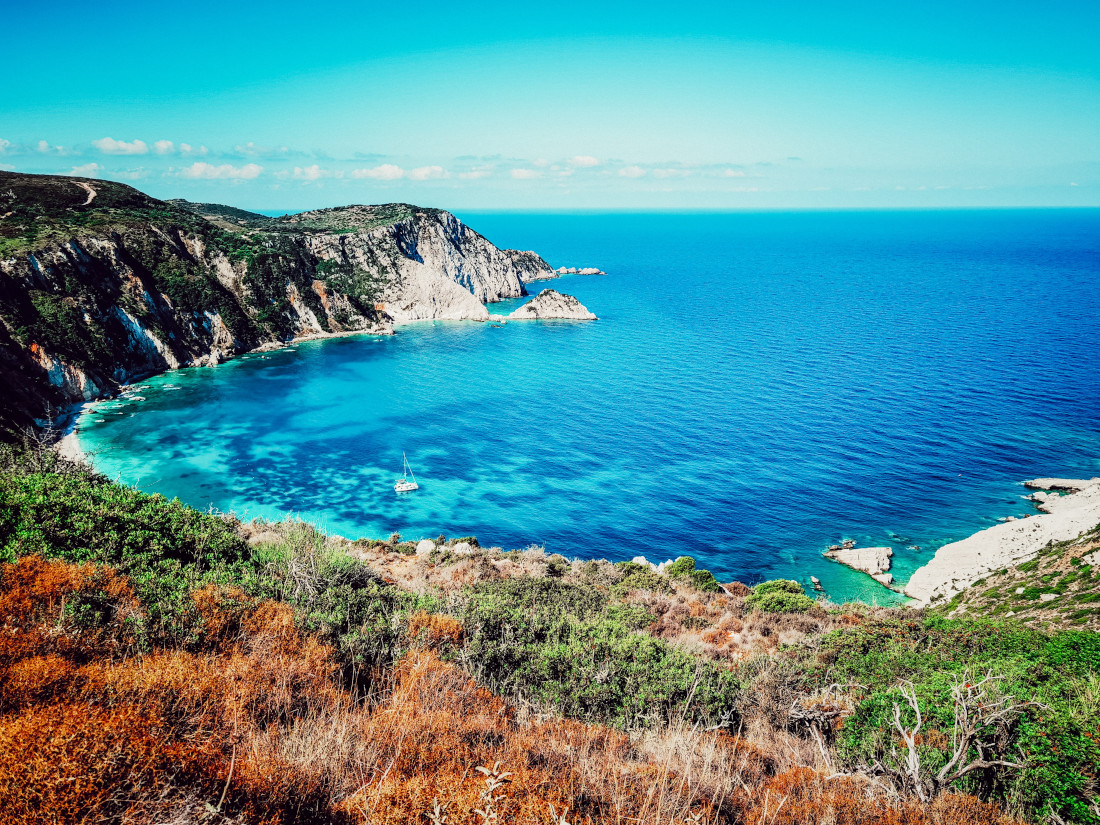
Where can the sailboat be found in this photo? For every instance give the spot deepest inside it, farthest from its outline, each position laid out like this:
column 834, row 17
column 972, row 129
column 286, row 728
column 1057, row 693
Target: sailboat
column 403, row 484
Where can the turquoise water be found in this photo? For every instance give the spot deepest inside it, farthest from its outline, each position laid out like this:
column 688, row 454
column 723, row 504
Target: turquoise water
column 758, row 386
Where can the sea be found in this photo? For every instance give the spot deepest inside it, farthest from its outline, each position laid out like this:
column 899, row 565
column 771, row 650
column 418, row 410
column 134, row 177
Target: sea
column 759, row 386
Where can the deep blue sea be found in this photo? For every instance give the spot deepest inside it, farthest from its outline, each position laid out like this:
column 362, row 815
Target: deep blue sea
column 758, row 386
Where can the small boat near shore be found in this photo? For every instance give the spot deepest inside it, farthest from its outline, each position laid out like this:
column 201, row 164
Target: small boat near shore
column 403, row 485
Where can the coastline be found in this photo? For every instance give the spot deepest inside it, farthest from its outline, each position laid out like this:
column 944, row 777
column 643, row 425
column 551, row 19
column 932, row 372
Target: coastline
column 1067, row 508
column 956, row 566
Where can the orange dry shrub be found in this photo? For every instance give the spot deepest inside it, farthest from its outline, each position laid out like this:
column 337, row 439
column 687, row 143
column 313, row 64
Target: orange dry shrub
column 805, row 797
column 435, row 630
column 87, row 734
column 438, row 726
column 73, row 610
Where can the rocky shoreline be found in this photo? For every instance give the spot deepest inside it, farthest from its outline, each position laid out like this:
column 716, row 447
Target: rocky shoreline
column 1062, row 518
column 1067, row 509
column 99, row 292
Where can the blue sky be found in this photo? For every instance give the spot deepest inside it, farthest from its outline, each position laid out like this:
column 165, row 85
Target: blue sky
column 563, row 105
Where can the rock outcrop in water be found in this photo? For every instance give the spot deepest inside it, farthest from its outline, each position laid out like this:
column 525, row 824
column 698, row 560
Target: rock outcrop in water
column 101, row 284
column 874, row 561
column 552, row 304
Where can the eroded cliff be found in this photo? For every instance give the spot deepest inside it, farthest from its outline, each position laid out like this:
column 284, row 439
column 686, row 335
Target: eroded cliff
column 100, row 284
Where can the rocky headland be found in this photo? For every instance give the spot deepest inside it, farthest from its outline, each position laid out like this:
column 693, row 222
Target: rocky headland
column 101, row 285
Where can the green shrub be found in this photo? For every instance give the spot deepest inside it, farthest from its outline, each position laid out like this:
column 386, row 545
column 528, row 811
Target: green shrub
column 638, row 577
column 779, row 596
column 569, row 645
column 684, row 568
column 1057, row 736
column 168, row 550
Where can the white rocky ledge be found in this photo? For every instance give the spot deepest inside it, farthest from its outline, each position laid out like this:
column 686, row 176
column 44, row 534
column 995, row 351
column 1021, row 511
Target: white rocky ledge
column 959, row 564
column 874, row 561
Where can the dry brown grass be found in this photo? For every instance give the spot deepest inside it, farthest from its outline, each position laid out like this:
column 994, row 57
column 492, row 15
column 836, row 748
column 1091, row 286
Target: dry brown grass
column 254, row 726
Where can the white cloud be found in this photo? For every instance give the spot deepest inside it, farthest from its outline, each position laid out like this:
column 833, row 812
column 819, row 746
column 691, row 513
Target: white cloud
column 541, row 163
column 671, row 173
column 4, row 144
column 207, row 171
column 1075, row 184
column 525, row 174
column 585, row 160
column 428, row 173
column 88, row 170
column 45, row 148
column 313, row 172
column 188, row 149
column 164, row 147
column 387, row 171
column 110, row 146
column 631, row 172
column 733, row 173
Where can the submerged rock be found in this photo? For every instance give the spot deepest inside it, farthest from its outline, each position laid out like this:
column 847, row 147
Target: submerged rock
column 552, row 304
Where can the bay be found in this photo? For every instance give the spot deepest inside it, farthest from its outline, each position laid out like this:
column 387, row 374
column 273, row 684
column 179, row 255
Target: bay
column 758, row 386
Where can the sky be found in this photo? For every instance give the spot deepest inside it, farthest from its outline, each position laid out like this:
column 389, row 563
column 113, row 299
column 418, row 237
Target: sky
column 577, row 105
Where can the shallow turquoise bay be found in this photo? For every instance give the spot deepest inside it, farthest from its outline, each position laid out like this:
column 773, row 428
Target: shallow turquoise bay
column 758, row 386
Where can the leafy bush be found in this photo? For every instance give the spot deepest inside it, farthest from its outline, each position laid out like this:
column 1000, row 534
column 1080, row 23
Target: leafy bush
column 166, row 548
column 638, row 577
column 168, row 551
column 684, row 568
column 1058, row 739
column 779, row 596
column 568, row 645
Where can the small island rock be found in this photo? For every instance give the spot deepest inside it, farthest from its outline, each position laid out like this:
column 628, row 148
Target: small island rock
column 552, row 304
column 871, row 560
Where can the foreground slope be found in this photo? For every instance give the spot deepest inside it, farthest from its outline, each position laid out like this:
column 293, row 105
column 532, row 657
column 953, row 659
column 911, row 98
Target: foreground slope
column 159, row 664
column 100, row 283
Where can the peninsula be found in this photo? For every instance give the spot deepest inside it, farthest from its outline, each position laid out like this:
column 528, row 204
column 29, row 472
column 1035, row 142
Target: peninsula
column 101, row 285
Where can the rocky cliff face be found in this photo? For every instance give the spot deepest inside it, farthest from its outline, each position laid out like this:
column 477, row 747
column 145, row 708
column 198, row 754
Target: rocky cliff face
column 101, row 284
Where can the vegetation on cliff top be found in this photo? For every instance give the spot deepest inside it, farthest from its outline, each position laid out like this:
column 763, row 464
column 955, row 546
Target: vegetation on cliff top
column 94, row 270
column 161, row 663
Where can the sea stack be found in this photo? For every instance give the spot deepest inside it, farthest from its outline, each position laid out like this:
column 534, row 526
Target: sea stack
column 551, row 304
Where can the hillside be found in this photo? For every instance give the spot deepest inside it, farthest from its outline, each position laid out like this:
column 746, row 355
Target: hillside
column 101, row 284
column 1060, row 587
column 164, row 665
